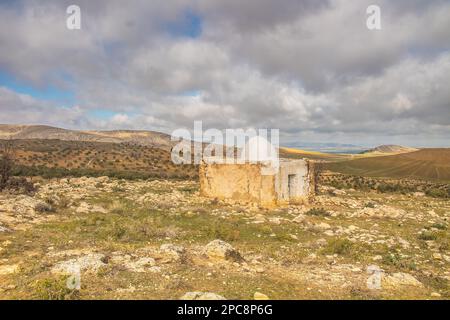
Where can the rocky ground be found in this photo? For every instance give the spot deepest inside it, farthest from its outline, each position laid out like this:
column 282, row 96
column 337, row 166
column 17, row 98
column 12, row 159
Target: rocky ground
column 161, row 240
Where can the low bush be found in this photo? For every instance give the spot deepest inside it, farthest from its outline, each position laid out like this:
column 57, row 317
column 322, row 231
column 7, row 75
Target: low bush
column 54, row 289
column 338, row 246
column 317, row 212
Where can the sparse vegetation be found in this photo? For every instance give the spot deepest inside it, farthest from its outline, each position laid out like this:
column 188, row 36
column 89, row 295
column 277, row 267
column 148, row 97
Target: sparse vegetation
column 95, row 159
column 279, row 255
column 147, row 202
column 427, row 236
column 6, row 163
column 54, row 289
column 317, row 212
column 382, row 185
column 338, row 246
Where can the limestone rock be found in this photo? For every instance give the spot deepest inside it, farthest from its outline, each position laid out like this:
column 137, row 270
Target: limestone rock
column 84, row 207
column 260, row 296
column 25, row 205
column 221, row 250
column 197, row 295
column 400, row 279
column 86, row 263
column 8, row 269
column 140, row 265
column 322, row 226
column 4, row 229
column 299, row 219
column 435, row 295
column 174, row 252
column 132, row 262
column 382, row 211
column 321, row 242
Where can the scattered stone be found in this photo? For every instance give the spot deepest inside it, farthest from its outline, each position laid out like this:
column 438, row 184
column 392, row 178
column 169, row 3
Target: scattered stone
column 322, row 226
column 260, row 296
column 377, row 258
column 9, row 269
column 25, row 205
column 435, row 295
column 310, row 258
column 197, row 295
column 85, row 207
column 437, row 256
column 329, row 233
column 67, row 253
column 299, row 219
column 130, row 289
column 259, row 218
column 220, row 250
column 260, row 269
column 382, row 211
column 87, row 263
column 140, row 265
column 338, row 192
column 400, row 279
column 174, row 252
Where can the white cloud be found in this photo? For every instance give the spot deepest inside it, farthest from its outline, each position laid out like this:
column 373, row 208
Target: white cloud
column 310, row 68
column 401, row 103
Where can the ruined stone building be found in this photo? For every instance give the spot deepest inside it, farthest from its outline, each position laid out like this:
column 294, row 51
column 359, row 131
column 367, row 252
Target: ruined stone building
column 258, row 180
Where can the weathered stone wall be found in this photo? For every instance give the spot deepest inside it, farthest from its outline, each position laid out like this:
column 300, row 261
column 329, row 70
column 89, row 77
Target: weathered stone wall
column 292, row 183
column 295, row 181
column 237, row 181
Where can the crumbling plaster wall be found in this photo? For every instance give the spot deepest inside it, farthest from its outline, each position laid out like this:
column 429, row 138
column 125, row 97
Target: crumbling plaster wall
column 237, row 181
column 245, row 182
column 295, row 181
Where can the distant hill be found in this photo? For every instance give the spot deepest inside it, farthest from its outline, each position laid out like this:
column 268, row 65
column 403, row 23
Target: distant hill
column 427, row 164
column 390, row 148
column 144, row 138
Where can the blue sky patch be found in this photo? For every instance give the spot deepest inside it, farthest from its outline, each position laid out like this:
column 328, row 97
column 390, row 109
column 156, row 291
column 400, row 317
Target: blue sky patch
column 48, row 93
column 189, row 25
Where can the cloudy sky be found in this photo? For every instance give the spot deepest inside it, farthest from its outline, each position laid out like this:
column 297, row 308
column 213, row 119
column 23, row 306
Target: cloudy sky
column 310, row 68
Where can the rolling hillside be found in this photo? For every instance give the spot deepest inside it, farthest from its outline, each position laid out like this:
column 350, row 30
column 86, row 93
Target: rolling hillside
column 55, row 158
column 427, row 164
column 145, row 138
column 389, row 149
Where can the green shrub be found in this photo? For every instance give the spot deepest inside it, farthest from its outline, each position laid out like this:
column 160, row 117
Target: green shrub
column 439, row 226
column 437, row 193
column 317, row 212
column 44, row 207
column 54, row 289
column 394, row 259
column 338, row 246
column 370, row 205
column 225, row 232
column 427, row 236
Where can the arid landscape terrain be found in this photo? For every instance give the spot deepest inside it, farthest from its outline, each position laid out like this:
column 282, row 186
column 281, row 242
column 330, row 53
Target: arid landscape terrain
column 137, row 227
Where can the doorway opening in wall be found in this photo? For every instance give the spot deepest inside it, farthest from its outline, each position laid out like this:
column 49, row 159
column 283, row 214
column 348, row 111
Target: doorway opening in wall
column 292, row 185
